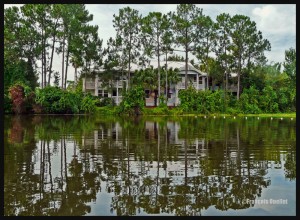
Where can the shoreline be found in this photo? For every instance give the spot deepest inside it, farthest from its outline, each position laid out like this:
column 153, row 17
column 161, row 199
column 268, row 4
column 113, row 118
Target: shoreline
column 212, row 115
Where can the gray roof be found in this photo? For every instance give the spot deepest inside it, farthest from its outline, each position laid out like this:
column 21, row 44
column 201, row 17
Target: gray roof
column 177, row 64
column 171, row 64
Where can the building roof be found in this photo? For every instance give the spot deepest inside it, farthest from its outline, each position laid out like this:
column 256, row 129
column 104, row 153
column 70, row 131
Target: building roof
column 176, row 64
column 171, row 64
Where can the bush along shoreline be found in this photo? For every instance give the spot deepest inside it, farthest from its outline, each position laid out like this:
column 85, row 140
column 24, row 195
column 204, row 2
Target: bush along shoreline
column 54, row 100
column 49, row 100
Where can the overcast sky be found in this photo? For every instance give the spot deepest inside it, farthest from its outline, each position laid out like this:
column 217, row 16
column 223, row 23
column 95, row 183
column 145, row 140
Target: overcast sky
column 277, row 22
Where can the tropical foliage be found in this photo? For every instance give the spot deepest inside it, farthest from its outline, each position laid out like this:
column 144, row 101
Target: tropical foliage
column 35, row 33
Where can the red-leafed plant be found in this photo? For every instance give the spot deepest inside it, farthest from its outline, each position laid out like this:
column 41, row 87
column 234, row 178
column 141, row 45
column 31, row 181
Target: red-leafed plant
column 17, row 95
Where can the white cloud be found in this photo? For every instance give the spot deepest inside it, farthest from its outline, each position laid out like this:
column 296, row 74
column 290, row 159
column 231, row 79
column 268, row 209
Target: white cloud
column 276, row 19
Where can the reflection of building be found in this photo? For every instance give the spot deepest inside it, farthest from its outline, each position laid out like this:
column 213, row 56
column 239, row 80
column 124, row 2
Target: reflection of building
column 115, row 134
column 155, row 173
column 221, row 191
column 190, row 175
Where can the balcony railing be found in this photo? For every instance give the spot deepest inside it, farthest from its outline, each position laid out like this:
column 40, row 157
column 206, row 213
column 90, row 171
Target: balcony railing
column 118, row 84
column 115, row 84
column 90, row 85
column 181, row 85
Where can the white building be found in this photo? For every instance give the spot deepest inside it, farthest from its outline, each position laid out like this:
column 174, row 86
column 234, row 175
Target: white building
column 196, row 78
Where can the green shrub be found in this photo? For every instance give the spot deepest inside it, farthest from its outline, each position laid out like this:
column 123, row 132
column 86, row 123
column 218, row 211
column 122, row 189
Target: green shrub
column 88, row 104
column 232, row 111
column 57, row 101
column 204, row 102
column 160, row 110
column 69, row 102
column 249, row 100
column 106, row 110
column 176, row 111
column 133, row 101
column 7, row 104
column 268, row 100
column 106, row 101
column 286, row 99
column 215, row 101
column 48, row 98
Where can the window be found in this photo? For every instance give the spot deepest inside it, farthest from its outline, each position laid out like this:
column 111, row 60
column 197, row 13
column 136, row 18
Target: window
column 120, row 91
column 100, row 93
column 169, row 95
column 105, row 93
column 200, row 80
column 147, row 92
column 114, row 92
column 114, row 135
column 195, row 78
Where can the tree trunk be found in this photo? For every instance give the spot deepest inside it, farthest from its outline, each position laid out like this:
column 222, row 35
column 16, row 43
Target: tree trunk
column 238, row 87
column 42, row 67
column 128, row 76
column 45, row 64
column 129, row 60
column 225, row 93
column 186, row 62
column 158, row 68
column 52, row 52
column 67, row 65
column 226, row 69
column 239, row 73
column 167, row 77
column 63, row 63
column 51, row 60
column 207, row 81
column 158, row 79
column 75, row 76
column 85, row 79
column 186, row 69
column 206, row 65
column 226, row 75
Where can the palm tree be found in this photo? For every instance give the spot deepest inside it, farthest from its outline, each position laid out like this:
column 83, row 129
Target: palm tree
column 76, row 63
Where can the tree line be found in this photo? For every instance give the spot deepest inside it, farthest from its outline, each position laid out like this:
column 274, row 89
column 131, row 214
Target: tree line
column 34, row 32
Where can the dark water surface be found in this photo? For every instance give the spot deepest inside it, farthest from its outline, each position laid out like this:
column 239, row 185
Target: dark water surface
column 84, row 165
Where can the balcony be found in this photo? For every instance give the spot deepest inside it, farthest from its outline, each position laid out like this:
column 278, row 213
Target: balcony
column 90, row 85
column 115, row 84
column 181, row 85
column 118, row 84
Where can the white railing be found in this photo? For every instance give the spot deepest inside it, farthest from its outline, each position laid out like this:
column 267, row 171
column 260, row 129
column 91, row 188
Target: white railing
column 181, row 85
column 115, row 84
column 90, row 85
column 118, row 84
column 201, row 87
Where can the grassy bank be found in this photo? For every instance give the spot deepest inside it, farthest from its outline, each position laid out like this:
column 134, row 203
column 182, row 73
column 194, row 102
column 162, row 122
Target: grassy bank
column 178, row 112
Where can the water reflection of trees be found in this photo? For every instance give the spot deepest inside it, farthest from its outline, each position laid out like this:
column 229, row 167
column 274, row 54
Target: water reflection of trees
column 161, row 166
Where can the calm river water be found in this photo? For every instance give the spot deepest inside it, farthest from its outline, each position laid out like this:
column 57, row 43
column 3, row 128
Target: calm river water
column 94, row 166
